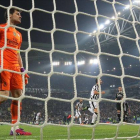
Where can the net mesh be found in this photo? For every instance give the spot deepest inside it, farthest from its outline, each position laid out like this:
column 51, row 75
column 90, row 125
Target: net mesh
column 96, row 35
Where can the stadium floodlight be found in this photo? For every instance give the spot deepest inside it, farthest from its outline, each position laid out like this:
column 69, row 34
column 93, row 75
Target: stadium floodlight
column 119, row 13
column 81, row 62
column 107, row 22
column 68, row 63
column 44, row 71
column 55, row 63
column 136, row 1
column 127, row 7
column 93, row 61
column 114, row 68
column 101, row 26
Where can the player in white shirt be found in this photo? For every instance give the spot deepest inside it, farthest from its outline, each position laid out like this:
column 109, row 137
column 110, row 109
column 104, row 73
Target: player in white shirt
column 38, row 118
column 79, row 106
column 93, row 104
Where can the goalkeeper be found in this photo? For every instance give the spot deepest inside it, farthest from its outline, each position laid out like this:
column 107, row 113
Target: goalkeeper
column 12, row 82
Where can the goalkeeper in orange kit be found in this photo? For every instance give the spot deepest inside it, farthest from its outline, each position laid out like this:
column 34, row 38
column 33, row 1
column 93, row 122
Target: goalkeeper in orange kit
column 9, row 81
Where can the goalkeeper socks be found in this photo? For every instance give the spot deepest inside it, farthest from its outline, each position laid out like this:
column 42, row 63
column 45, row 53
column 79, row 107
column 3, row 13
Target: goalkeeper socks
column 14, row 111
column 119, row 116
column 94, row 117
column 80, row 121
column 91, row 110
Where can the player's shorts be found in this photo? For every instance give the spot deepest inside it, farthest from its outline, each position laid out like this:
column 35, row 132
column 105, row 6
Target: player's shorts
column 93, row 105
column 78, row 114
column 9, row 80
column 118, row 106
column 37, row 118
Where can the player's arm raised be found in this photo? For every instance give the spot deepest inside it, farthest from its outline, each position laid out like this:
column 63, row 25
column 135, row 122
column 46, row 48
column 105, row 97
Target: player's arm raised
column 96, row 92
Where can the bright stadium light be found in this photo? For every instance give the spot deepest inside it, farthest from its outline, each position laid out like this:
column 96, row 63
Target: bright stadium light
column 81, row 62
column 93, row 61
column 119, row 13
column 101, row 26
column 94, row 31
column 68, row 63
column 55, row 63
column 107, row 22
column 136, row 1
column 127, row 7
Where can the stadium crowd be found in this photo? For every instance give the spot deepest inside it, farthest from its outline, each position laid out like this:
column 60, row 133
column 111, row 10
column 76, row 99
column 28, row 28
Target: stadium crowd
column 57, row 110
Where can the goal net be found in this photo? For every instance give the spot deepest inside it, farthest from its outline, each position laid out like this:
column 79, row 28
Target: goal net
column 66, row 48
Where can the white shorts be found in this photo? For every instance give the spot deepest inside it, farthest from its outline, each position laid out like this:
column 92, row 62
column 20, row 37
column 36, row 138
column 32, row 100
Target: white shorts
column 37, row 118
column 93, row 105
column 77, row 114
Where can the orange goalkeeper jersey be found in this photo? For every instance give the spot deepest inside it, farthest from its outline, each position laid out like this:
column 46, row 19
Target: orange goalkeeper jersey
column 14, row 40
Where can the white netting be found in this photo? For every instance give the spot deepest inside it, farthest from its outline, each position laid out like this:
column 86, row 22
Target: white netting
column 95, row 34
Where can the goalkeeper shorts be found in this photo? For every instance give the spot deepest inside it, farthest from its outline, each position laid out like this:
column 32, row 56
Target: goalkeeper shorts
column 9, row 80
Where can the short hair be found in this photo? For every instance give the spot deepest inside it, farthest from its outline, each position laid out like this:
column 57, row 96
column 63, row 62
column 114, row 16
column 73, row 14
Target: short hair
column 11, row 11
column 96, row 80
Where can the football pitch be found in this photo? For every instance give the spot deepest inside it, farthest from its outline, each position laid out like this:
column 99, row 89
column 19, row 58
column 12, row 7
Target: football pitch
column 76, row 132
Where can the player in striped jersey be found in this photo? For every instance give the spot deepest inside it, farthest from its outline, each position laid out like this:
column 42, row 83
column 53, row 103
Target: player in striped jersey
column 79, row 107
column 93, row 104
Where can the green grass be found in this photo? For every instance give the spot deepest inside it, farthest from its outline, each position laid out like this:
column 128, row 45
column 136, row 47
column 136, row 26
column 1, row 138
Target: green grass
column 76, row 132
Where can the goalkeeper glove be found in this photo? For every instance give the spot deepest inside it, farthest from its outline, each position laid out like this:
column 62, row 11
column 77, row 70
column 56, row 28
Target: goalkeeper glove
column 26, row 76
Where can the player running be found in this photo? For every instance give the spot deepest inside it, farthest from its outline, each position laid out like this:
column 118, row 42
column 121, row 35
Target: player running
column 12, row 82
column 93, row 104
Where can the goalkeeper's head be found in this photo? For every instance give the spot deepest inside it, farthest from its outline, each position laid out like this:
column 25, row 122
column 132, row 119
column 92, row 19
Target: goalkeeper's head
column 14, row 16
